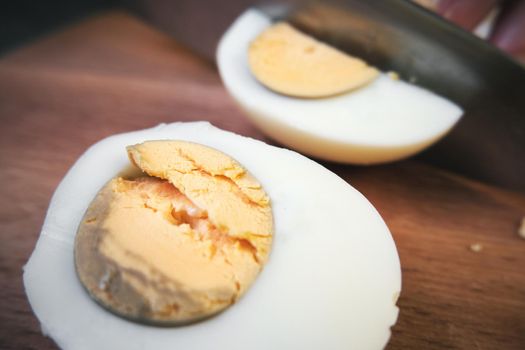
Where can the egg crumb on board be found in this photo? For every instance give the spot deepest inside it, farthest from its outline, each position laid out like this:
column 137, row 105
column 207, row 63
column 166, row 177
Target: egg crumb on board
column 323, row 102
column 521, row 228
column 292, row 63
column 331, row 280
column 476, row 247
column 177, row 246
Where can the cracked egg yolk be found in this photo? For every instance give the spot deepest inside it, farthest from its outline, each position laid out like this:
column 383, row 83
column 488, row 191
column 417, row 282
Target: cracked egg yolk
column 178, row 244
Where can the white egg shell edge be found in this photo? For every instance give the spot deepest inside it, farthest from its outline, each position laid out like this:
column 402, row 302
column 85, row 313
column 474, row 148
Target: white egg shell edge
column 331, row 282
column 384, row 121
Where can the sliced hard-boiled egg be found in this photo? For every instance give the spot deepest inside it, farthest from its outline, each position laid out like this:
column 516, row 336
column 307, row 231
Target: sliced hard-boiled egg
column 379, row 119
column 331, row 279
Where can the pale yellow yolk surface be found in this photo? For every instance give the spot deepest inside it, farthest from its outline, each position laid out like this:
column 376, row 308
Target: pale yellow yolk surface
column 292, row 63
column 179, row 246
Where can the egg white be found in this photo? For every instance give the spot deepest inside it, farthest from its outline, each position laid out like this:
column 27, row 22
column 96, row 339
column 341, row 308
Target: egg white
column 384, row 121
column 331, row 281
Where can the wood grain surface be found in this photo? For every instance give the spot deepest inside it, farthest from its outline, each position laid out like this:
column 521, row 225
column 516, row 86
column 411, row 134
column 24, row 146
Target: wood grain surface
column 112, row 73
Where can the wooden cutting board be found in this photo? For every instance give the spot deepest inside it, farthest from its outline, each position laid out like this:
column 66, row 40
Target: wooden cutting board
column 112, row 73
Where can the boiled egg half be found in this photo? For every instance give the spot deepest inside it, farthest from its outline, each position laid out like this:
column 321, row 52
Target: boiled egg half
column 321, row 101
column 331, row 276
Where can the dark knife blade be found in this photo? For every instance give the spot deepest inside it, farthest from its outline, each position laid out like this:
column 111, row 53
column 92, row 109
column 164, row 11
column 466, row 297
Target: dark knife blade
column 489, row 141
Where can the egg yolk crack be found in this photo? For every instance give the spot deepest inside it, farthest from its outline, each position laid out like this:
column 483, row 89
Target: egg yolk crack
column 179, row 245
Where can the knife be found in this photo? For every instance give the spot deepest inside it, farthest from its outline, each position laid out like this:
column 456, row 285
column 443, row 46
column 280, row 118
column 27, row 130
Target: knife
column 397, row 35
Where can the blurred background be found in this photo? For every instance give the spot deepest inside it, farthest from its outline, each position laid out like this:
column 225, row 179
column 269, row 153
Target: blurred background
column 24, row 20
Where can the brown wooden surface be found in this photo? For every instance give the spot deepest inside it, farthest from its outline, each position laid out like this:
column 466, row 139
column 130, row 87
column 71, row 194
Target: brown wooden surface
column 112, row 73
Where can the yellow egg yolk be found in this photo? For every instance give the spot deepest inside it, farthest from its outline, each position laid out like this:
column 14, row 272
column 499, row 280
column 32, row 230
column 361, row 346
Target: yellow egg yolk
column 179, row 245
column 292, row 63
